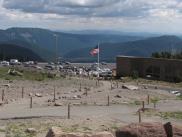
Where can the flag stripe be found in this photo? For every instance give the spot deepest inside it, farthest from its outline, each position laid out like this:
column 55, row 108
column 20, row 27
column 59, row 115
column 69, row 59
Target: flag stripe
column 94, row 51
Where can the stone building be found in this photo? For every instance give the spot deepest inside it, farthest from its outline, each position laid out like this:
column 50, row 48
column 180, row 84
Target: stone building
column 153, row 68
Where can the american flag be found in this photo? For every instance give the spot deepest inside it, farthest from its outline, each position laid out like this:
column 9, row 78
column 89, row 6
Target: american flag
column 94, row 51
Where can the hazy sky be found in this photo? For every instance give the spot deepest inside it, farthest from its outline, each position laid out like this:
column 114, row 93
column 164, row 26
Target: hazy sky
column 123, row 15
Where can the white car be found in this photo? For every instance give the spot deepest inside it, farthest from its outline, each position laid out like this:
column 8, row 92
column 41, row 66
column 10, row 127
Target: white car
column 14, row 62
column 5, row 63
column 177, row 93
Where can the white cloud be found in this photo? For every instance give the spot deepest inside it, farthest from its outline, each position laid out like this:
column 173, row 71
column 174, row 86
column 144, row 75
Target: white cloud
column 132, row 15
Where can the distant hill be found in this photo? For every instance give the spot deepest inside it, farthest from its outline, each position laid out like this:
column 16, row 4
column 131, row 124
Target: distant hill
column 142, row 48
column 76, row 47
column 10, row 51
column 43, row 42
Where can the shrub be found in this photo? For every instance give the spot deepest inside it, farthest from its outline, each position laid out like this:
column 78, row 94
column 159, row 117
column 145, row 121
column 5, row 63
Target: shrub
column 135, row 74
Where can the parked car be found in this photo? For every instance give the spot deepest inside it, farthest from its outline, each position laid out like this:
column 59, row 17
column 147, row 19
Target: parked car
column 177, row 93
column 14, row 62
column 5, row 63
column 49, row 67
column 103, row 63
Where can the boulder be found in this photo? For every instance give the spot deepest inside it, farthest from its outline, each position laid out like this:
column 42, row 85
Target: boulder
column 38, row 95
column 6, row 85
column 149, row 130
column 30, row 95
column 117, row 96
column 54, row 132
column 130, row 87
column 31, row 130
column 58, row 104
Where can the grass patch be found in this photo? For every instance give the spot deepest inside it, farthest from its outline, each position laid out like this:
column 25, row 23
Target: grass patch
column 174, row 115
column 114, row 127
column 73, row 128
column 136, row 102
column 27, row 75
column 86, row 129
column 2, row 130
column 17, row 130
column 179, row 97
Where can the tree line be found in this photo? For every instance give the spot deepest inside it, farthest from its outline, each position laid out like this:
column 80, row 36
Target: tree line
column 167, row 55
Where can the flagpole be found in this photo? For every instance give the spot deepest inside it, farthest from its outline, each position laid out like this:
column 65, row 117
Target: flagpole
column 98, row 58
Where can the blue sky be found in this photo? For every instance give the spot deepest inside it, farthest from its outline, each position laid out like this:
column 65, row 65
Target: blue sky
column 164, row 16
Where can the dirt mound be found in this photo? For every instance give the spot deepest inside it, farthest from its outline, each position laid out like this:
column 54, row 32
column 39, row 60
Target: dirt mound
column 150, row 130
column 57, row 132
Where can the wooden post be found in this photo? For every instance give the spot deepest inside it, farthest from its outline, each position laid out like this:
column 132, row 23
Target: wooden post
column 22, row 92
column 111, row 85
column 86, row 92
column 54, row 94
column 96, row 83
column 154, row 105
column 148, row 99
column 3, row 95
column 69, row 107
column 80, row 87
column 117, row 84
column 143, row 105
column 31, row 101
column 139, row 116
column 108, row 101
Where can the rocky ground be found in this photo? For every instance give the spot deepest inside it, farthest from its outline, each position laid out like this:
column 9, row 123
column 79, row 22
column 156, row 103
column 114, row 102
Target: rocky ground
column 89, row 107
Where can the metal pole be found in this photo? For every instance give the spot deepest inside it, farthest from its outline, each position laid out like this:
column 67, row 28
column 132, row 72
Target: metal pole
column 56, row 48
column 98, row 58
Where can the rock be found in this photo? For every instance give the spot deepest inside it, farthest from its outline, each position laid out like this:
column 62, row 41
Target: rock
column 57, row 132
column 103, row 134
column 76, row 104
column 50, row 100
column 7, row 85
column 117, row 96
column 14, row 72
column 148, row 130
column 58, row 104
column 76, row 97
column 38, row 95
column 31, row 130
column 142, row 130
column 10, row 81
column 1, row 103
column 30, row 94
column 130, row 87
column 145, row 87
